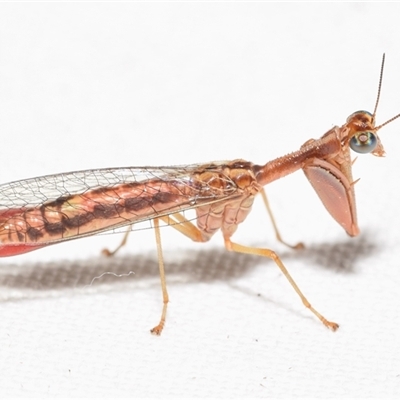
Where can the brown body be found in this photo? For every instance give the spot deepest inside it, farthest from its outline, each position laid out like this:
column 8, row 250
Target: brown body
column 222, row 194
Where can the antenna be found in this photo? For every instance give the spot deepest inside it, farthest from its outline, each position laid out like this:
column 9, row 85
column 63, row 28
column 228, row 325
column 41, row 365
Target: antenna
column 380, row 85
column 379, row 95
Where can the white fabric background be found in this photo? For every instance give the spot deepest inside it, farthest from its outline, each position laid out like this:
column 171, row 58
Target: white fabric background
column 101, row 85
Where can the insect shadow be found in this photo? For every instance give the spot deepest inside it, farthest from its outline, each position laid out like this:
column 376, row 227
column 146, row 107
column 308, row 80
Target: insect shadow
column 192, row 267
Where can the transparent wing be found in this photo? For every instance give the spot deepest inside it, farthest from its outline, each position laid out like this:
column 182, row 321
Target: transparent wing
column 64, row 206
column 40, row 190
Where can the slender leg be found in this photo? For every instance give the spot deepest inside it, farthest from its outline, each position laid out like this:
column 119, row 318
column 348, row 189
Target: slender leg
column 109, row 253
column 182, row 225
column 158, row 329
column 277, row 234
column 270, row 254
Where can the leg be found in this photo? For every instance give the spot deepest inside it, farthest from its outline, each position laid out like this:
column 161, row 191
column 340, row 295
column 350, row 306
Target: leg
column 270, row 254
column 158, row 329
column 182, row 225
column 124, row 240
column 271, row 216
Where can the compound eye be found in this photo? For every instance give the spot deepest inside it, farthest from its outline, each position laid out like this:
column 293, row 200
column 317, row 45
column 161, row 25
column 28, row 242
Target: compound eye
column 363, row 142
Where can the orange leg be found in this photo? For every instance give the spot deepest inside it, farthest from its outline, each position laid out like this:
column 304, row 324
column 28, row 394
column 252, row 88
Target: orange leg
column 277, row 234
column 109, row 253
column 270, row 254
column 182, row 225
column 158, row 329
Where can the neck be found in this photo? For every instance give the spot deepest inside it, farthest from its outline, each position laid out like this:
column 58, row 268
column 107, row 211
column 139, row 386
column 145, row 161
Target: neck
column 328, row 145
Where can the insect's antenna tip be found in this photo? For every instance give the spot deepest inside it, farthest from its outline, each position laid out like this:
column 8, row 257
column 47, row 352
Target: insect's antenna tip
column 380, row 85
column 378, row 96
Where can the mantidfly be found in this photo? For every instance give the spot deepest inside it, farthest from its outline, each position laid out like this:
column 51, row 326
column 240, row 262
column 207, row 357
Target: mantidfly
column 37, row 212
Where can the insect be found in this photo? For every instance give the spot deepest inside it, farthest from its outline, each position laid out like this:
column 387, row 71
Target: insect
column 38, row 212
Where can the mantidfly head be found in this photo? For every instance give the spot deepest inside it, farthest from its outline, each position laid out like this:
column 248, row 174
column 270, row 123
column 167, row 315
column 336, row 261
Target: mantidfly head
column 362, row 132
column 330, row 172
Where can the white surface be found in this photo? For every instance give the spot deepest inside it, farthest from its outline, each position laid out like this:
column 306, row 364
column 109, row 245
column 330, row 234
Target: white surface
column 100, row 85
